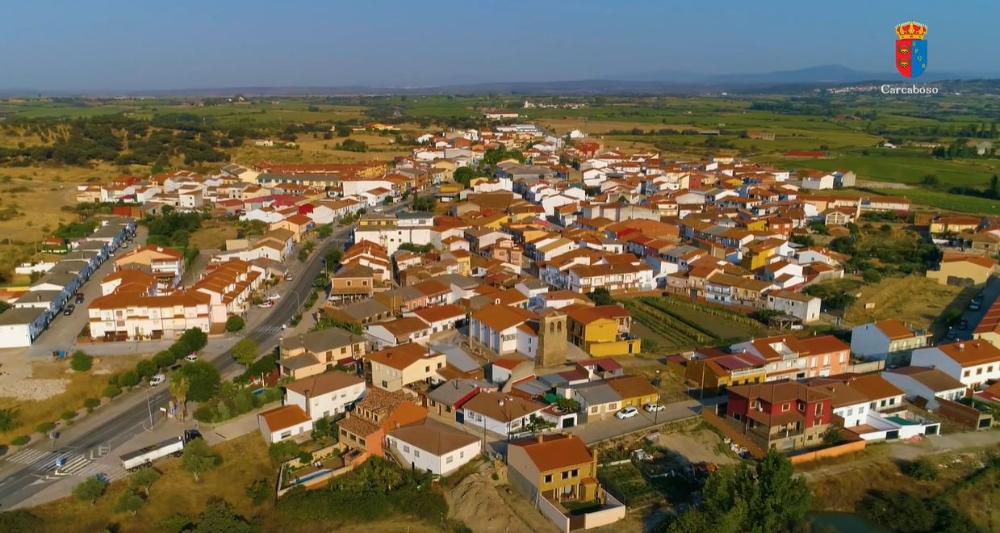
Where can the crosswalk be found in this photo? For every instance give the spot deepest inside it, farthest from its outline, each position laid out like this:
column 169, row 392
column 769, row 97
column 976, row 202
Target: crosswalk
column 62, row 463
column 270, row 330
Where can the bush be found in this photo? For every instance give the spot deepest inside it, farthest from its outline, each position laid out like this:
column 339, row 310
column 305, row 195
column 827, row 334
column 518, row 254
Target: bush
column 305, row 457
column 235, row 323
column 91, row 404
column 128, row 379
column 90, row 490
column 80, row 361
column 921, row 469
column 20, row 521
column 68, row 415
column 45, row 427
column 259, row 491
column 20, row 440
column 112, row 390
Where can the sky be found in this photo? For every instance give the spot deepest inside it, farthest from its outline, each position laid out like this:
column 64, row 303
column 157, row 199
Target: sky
column 70, row 45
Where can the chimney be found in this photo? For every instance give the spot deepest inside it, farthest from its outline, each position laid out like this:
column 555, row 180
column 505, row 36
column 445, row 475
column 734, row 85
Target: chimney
column 961, row 346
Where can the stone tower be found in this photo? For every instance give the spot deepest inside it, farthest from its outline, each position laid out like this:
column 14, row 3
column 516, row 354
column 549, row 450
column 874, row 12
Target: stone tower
column 551, row 338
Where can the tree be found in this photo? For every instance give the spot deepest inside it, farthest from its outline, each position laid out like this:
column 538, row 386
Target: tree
column 219, row 516
column 143, row 479
column 129, row 502
column 463, row 175
column 179, row 387
column 921, row 469
column 198, row 458
column 128, row 379
column 259, row 491
column 763, row 498
column 193, row 340
column 832, row 436
column 235, row 323
column 8, row 419
column 424, row 203
column 90, row 490
column 145, row 368
column 601, row 296
column 323, row 428
column 282, row 451
column 163, row 359
column 80, row 361
column 203, row 380
column 245, row 352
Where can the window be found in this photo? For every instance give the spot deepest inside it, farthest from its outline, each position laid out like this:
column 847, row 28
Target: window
column 449, row 459
column 966, row 374
column 979, row 371
column 785, row 407
column 819, row 409
column 548, row 478
column 406, row 449
column 574, row 473
column 565, row 475
column 802, row 407
column 416, row 452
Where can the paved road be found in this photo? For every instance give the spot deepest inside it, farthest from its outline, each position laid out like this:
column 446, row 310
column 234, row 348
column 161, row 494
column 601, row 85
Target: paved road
column 130, row 415
column 611, row 427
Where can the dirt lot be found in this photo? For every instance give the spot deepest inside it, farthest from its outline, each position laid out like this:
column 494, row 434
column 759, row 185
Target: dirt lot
column 699, row 445
column 485, row 505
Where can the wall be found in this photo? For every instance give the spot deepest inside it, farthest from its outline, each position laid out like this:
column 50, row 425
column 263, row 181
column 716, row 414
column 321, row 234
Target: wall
column 960, row 413
column 550, row 511
column 612, row 511
column 827, row 453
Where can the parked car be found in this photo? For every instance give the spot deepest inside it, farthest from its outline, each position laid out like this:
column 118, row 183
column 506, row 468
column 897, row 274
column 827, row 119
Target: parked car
column 974, row 306
column 68, row 310
column 963, row 324
column 288, row 277
column 627, row 412
column 653, row 407
column 157, row 380
column 274, row 297
column 266, row 304
column 191, row 357
column 79, row 297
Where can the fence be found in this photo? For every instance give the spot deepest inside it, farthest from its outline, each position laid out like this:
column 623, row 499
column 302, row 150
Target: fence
column 553, row 513
column 733, row 433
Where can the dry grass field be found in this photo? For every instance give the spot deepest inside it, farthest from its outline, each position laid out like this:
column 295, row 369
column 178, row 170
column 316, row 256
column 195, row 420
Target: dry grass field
column 912, row 299
column 50, row 376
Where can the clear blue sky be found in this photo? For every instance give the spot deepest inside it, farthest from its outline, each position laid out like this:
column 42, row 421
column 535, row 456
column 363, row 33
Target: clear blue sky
column 139, row 44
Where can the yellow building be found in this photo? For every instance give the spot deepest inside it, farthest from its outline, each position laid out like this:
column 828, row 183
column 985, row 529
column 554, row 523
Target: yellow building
column 714, row 372
column 635, row 391
column 760, row 253
column 394, row 368
column 556, row 467
column 958, row 269
column 601, row 331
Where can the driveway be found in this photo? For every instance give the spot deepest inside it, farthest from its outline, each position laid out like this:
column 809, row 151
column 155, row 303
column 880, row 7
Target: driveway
column 611, row 427
column 990, row 292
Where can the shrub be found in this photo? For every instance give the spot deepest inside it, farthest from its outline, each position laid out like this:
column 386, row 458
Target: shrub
column 68, row 415
column 45, row 427
column 204, row 413
column 305, row 457
column 20, row 440
column 20, row 521
column 91, row 404
column 128, row 379
column 921, row 469
column 259, row 491
column 112, row 390
column 80, row 361
column 235, row 323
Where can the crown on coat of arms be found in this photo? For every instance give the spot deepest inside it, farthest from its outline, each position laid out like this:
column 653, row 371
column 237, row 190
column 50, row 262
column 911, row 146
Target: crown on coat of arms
column 913, row 31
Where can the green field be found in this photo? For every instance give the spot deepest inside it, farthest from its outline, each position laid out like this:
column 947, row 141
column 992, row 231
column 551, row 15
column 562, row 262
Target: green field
column 910, row 168
column 674, row 325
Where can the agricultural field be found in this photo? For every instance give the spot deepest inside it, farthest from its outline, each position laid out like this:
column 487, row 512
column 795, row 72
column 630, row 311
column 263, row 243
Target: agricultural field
column 672, row 325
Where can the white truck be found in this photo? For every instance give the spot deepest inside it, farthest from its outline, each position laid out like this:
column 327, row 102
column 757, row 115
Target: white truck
column 145, row 456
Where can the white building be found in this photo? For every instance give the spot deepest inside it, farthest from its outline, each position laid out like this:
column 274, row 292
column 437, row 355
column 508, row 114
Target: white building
column 325, row 395
column 802, row 306
column 930, row 384
column 19, row 327
column 973, row 363
column 434, row 447
column 500, row 413
column 283, row 423
column 877, row 340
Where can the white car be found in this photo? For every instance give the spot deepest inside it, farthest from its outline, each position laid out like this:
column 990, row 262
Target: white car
column 653, row 407
column 191, row 357
column 266, row 304
column 627, row 412
column 157, row 380
column 273, row 297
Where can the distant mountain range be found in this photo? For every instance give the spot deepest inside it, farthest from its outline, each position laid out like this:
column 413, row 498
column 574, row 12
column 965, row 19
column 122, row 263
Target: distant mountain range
column 653, row 82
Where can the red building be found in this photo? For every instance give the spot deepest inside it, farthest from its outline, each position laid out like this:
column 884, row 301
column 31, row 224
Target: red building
column 784, row 415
